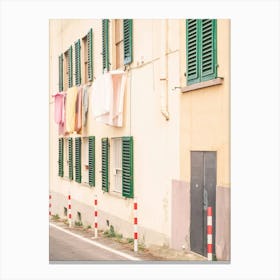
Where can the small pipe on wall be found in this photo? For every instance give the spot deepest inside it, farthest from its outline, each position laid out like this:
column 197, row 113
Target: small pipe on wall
column 164, row 69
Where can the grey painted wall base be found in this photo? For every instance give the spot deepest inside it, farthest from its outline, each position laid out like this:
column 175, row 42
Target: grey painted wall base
column 223, row 223
column 105, row 220
column 180, row 215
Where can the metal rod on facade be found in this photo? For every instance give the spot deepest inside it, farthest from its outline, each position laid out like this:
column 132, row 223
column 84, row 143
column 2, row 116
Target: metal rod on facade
column 95, row 217
column 69, row 211
column 50, row 205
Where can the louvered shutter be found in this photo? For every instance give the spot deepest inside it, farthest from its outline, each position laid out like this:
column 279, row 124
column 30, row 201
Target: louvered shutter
column 60, row 72
column 105, row 44
column 60, row 157
column 208, row 49
column 127, row 38
column 70, row 157
column 90, row 55
column 105, row 164
column 78, row 62
column 91, row 160
column 192, row 36
column 78, row 177
column 127, row 167
column 70, row 67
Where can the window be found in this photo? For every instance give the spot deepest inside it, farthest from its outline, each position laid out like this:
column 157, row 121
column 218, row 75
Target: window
column 201, row 50
column 88, row 57
column 68, row 69
column 127, row 38
column 77, row 62
column 78, row 175
column 70, row 158
column 60, row 157
column 60, row 72
column 117, row 164
column 119, row 42
column 85, row 165
column 105, row 164
column 105, row 45
column 91, row 160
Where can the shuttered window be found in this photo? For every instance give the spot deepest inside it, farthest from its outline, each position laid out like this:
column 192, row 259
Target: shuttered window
column 60, row 72
column 201, row 50
column 60, row 157
column 91, row 160
column 70, row 67
column 70, row 157
column 77, row 62
column 78, row 176
column 90, row 55
column 127, row 37
column 105, row 164
column 127, row 167
column 105, row 44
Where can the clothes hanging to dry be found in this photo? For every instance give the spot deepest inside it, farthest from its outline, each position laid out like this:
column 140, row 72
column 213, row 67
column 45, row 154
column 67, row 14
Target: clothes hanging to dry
column 59, row 107
column 70, row 109
column 85, row 104
column 78, row 115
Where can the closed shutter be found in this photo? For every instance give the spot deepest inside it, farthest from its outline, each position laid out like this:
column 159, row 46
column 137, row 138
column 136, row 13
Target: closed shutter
column 127, row 167
column 192, row 29
column 91, row 160
column 208, row 49
column 60, row 157
column 70, row 67
column 70, row 157
column 78, row 177
column 105, row 44
column 90, row 55
column 105, row 164
column 78, row 62
column 127, row 38
column 60, row 72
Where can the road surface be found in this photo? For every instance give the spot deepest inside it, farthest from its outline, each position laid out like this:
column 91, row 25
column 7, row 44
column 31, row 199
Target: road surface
column 67, row 246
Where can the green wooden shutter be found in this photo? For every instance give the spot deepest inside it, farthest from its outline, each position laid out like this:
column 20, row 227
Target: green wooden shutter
column 70, row 155
column 70, row 67
column 208, row 49
column 60, row 72
column 105, row 44
column 60, row 157
column 78, row 62
column 90, row 55
column 91, row 160
column 192, row 37
column 127, row 167
column 127, row 39
column 105, row 164
column 78, row 177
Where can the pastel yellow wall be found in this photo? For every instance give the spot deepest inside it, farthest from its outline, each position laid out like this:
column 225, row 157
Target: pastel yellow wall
column 205, row 113
column 156, row 141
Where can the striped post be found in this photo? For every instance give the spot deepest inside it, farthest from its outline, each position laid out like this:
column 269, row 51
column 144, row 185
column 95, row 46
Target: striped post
column 50, row 205
column 209, row 234
column 95, row 217
column 135, row 223
column 69, row 211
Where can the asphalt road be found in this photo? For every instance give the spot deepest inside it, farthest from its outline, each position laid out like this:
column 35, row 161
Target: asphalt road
column 65, row 246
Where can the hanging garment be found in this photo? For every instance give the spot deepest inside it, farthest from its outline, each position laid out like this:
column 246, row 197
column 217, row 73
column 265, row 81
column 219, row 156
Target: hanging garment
column 78, row 115
column 86, row 89
column 107, row 98
column 61, row 126
column 116, row 111
column 101, row 98
column 59, row 107
column 70, row 109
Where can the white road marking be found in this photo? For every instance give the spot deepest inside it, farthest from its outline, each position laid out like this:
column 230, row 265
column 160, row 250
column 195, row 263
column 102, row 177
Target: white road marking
column 97, row 244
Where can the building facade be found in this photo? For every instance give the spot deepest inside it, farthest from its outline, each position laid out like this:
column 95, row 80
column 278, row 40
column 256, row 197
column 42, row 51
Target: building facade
column 140, row 110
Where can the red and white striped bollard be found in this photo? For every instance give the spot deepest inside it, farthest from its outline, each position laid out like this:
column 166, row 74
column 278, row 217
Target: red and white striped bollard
column 69, row 211
column 95, row 217
column 135, row 223
column 209, row 234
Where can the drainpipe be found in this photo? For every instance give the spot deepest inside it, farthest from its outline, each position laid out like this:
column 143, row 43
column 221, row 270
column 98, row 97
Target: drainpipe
column 164, row 69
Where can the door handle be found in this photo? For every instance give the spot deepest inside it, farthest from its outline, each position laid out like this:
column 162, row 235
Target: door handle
column 205, row 199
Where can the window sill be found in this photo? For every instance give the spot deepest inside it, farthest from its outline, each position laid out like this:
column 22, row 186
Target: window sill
column 217, row 81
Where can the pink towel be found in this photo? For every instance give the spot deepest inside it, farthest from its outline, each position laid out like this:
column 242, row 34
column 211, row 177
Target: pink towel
column 59, row 107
